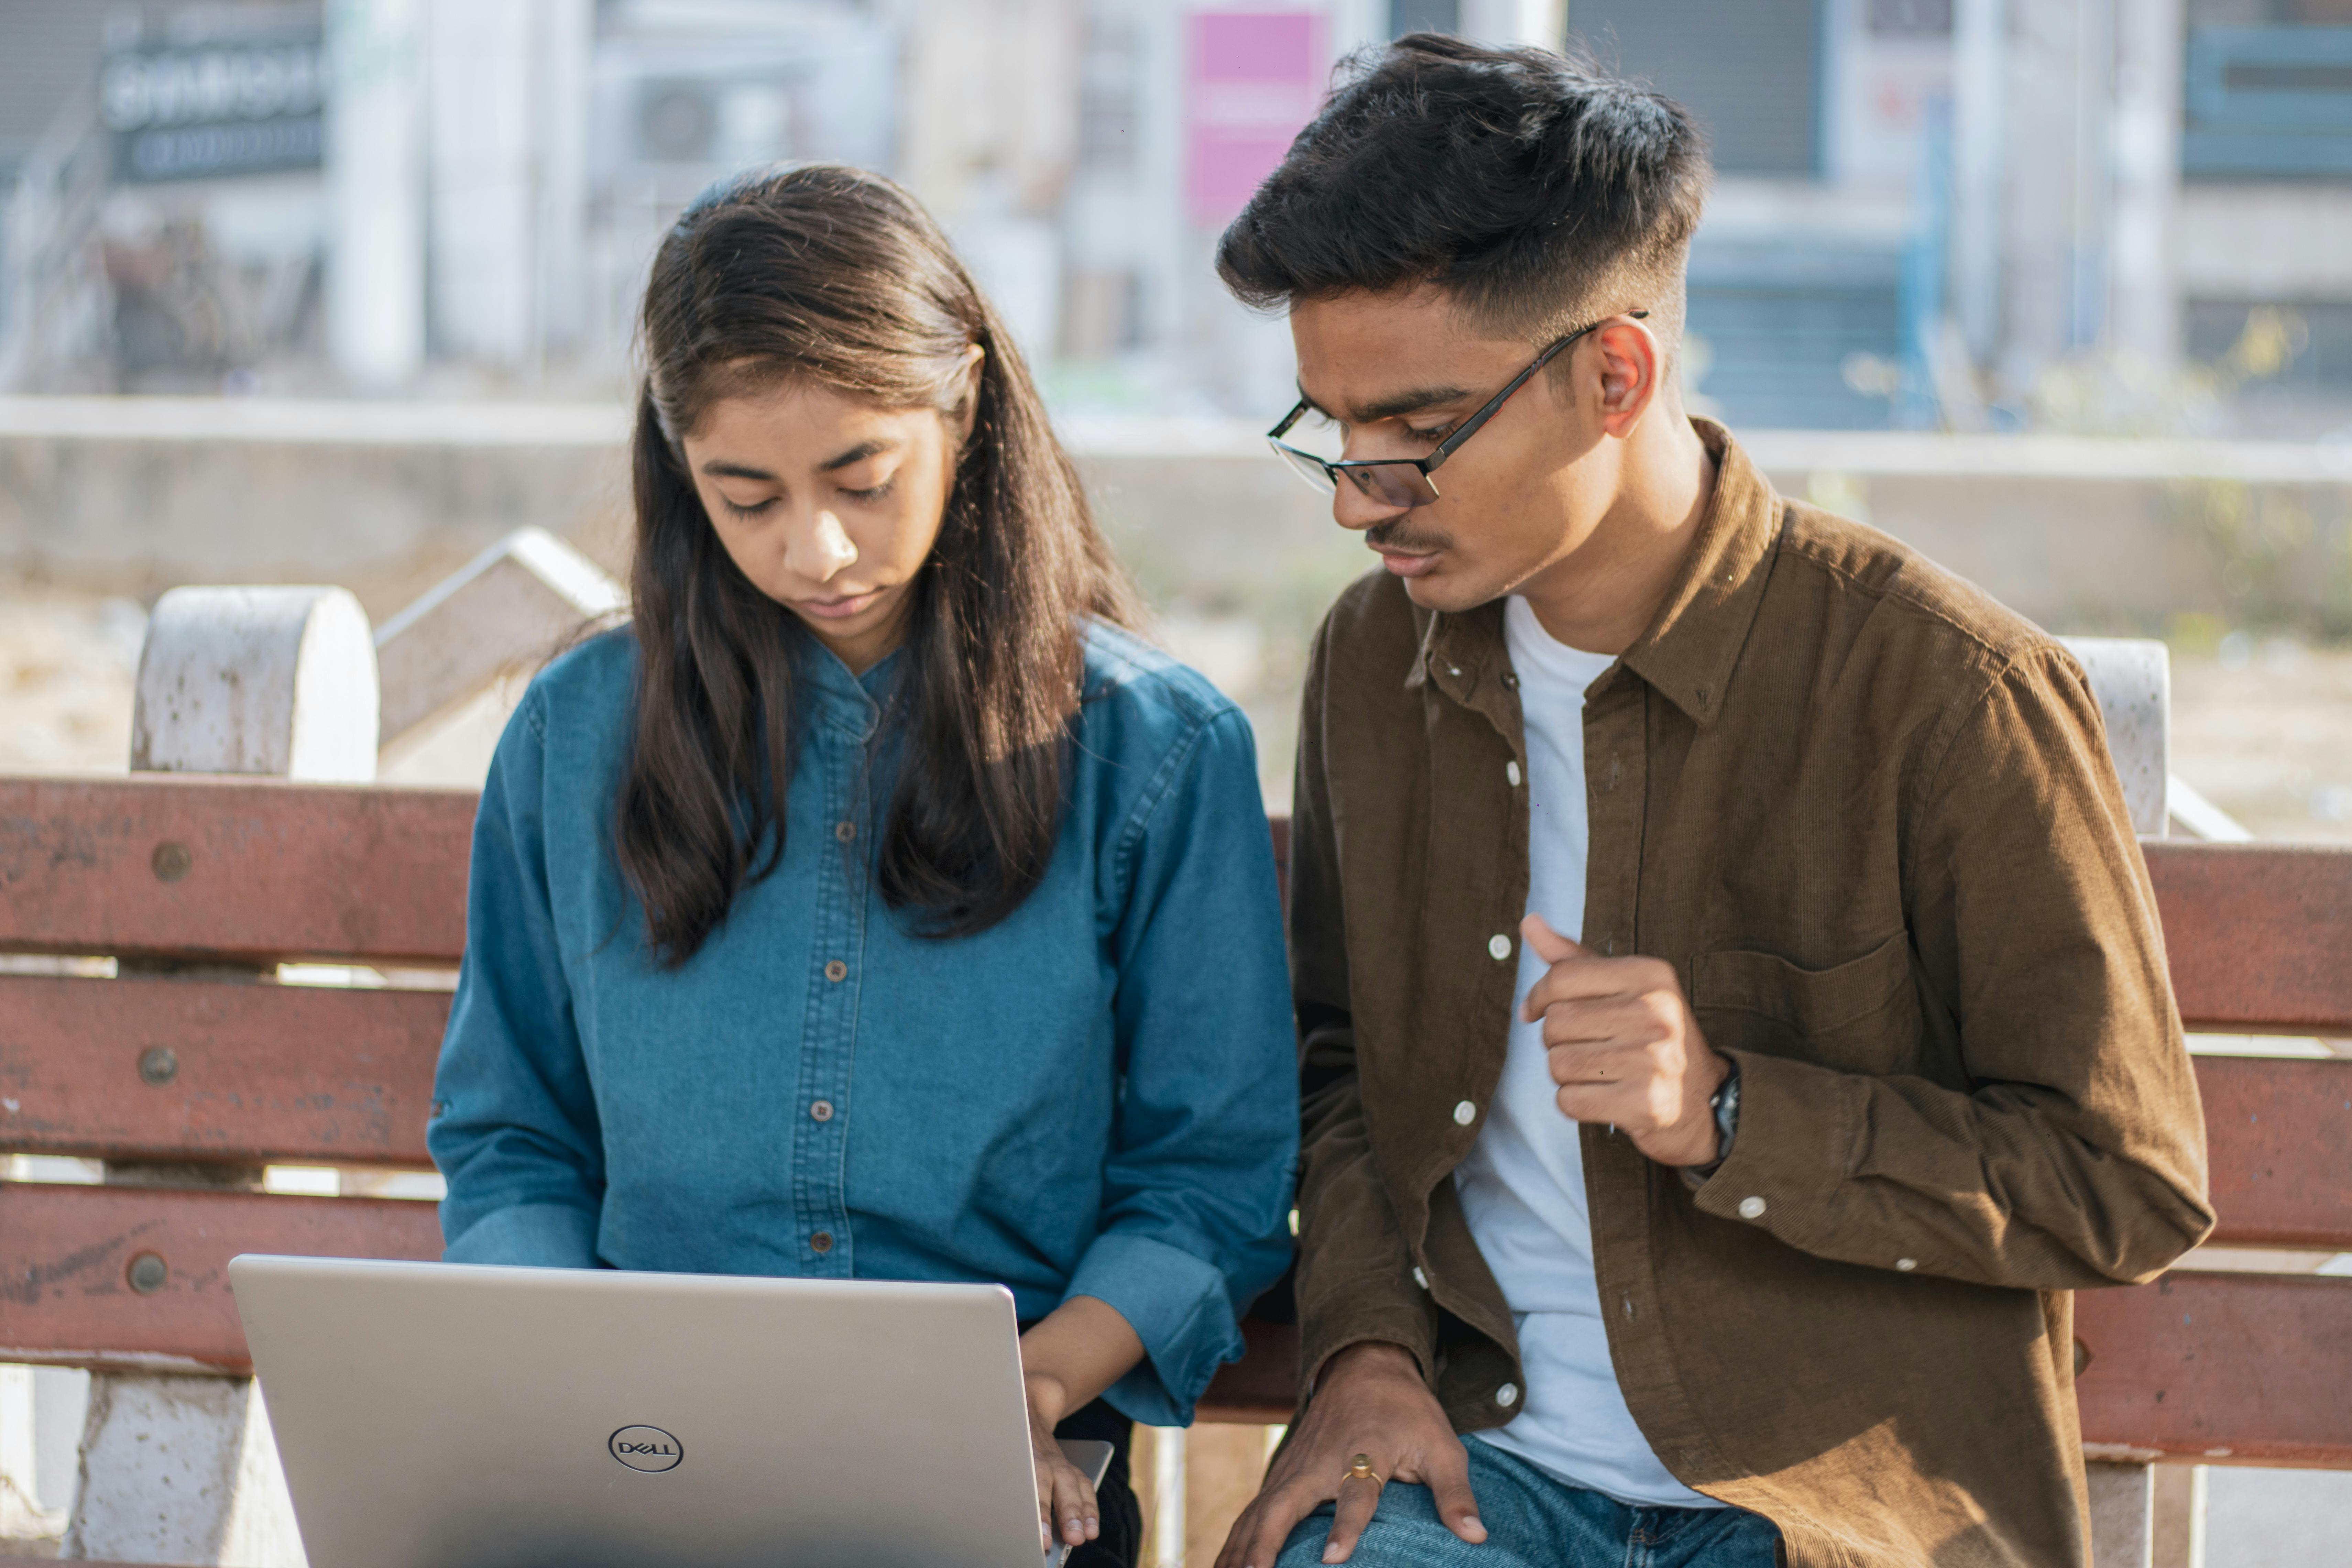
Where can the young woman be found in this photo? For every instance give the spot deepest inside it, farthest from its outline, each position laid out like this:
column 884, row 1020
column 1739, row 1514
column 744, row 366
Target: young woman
column 875, row 905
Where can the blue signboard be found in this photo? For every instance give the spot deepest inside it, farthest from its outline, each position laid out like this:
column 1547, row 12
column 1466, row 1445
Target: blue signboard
column 242, row 106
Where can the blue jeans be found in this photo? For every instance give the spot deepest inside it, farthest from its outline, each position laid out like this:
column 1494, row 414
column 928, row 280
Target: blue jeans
column 1535, row 1522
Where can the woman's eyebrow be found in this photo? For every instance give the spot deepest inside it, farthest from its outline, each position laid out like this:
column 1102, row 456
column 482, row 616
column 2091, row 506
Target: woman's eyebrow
column 859, row 454
column 719, row 471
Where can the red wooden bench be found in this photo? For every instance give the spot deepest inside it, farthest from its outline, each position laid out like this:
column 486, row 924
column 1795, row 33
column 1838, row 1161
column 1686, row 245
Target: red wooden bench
column 185, row 879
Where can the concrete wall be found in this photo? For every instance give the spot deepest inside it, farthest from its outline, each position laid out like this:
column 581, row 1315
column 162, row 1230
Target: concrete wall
column 138, row 495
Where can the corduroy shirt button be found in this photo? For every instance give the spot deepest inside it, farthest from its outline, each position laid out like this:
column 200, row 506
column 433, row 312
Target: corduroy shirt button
column 1498, row 947
column 1465, row 1114
column 1751, row 1208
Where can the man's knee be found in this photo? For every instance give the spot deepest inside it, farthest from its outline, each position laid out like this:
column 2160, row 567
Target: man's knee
column 1405, row 1533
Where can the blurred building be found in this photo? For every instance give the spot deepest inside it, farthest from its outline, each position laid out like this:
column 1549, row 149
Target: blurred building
column 2097, row 214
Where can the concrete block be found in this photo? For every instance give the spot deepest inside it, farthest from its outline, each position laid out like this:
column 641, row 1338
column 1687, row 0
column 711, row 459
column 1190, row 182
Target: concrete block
column 515, row 602
column 181, row 1471
column 2132, row 678
column 257, row 680
column 2123, row 1514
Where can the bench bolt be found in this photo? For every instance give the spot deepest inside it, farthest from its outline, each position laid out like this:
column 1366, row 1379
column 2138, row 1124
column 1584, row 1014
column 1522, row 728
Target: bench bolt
column 158, row 1065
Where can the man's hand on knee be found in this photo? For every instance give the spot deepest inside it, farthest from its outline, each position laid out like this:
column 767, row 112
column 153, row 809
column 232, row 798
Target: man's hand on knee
column 1372, row 1402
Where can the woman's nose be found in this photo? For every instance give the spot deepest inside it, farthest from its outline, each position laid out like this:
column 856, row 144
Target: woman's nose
column 820, row 551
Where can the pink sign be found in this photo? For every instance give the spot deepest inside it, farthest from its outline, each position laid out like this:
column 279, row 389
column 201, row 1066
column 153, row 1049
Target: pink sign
column 1254, row 78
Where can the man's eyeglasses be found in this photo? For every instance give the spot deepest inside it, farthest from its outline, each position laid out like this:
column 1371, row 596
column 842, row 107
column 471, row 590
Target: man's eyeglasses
column 1404, row 481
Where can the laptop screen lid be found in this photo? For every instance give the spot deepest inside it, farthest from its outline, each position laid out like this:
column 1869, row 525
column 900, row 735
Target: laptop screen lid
column 451, row 1415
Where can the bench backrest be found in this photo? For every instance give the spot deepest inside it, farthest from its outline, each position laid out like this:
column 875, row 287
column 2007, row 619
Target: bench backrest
column 188, row 881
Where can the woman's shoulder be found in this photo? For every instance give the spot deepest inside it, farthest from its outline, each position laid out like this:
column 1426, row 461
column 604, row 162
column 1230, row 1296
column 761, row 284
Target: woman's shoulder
column 1140, row 690
column 587, row 690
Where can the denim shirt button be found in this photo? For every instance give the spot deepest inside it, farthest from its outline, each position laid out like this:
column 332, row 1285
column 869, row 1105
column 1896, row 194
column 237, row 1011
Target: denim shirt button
column 844, row 831
column 836, row 972
column 822, row 1241
column 822, row 1111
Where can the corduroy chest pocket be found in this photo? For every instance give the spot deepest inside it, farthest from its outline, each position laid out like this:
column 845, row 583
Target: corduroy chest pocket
column 1858, row 1017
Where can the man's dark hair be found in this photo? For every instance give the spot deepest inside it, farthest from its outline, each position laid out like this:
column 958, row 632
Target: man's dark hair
column 1538, row 191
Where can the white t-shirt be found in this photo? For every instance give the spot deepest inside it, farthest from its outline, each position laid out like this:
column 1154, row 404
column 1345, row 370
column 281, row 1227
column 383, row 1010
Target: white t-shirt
column 1522, row 1185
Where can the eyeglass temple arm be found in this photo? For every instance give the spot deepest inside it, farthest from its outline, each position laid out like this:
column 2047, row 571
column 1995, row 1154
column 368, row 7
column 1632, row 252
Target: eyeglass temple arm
column 1495, row 405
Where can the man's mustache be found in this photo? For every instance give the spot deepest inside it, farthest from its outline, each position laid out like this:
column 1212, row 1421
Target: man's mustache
column 1394, row 535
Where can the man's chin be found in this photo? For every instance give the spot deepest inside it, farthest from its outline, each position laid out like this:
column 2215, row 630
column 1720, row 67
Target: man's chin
column 1448, row 590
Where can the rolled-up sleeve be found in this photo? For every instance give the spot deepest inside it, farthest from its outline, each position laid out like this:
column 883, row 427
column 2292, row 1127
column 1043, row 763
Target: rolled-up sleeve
column 2078, row 1158
column 514, row 1126
column 1197, row 1186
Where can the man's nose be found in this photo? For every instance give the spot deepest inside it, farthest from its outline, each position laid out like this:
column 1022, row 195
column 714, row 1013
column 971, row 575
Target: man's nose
column 819, row 549
column 1352, row 508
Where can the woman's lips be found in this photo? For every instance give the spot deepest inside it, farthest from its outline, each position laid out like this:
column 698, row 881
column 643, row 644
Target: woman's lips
column 840, row 609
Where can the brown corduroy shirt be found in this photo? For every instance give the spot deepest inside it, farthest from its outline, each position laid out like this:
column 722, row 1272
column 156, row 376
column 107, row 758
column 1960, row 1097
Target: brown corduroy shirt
column 1870, row 819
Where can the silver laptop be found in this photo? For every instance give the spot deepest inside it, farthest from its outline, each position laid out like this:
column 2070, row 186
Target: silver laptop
column 447, row 1416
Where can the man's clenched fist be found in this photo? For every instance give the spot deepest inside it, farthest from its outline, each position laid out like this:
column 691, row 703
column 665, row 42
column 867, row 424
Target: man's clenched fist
column 1624, row 1048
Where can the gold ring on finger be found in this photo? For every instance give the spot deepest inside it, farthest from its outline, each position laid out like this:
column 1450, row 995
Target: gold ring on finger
column 1360, row 1469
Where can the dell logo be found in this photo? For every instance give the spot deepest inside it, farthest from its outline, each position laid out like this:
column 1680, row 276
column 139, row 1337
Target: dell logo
column 646, row 1449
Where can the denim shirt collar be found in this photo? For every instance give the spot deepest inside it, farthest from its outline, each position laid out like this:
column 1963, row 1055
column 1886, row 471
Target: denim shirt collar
column 852, row 703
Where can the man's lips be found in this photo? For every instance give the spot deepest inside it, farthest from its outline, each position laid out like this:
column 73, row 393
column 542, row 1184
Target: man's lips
column 839, row 609
column 1406, row 562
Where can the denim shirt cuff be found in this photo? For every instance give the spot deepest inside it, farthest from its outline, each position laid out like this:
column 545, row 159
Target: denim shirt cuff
column 543, row 1235
column 1179, row 1307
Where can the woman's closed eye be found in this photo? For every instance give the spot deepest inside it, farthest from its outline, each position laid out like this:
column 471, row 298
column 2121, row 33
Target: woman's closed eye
column 756, row 508
column 872, row 492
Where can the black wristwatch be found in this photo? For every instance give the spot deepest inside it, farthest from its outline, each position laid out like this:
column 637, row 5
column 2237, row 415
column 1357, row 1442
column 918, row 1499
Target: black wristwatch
column 1724, row 1103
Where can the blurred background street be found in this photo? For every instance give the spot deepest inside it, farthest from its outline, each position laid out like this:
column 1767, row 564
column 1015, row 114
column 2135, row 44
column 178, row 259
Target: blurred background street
column 339, row 292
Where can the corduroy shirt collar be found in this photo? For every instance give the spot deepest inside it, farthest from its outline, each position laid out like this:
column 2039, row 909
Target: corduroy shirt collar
column 1694, row 639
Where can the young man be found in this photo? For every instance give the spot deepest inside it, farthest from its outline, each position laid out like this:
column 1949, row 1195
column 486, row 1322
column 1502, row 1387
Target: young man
column 1733, row 1016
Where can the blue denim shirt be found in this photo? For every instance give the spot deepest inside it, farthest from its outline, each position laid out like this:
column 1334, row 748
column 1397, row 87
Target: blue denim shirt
column 1095, row 1097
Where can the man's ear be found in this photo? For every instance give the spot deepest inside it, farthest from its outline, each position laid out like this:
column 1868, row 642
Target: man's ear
column 1632, row 372
column 967, row 414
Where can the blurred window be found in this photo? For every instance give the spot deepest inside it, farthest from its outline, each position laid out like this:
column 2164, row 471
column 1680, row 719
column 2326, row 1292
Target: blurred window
column 1424, row 16
column 1751, row 71
column 2271, row 102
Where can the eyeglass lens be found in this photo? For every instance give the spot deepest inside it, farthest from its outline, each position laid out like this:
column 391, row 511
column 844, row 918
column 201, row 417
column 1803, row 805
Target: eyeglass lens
column 1390, row 484
column 1395, row 484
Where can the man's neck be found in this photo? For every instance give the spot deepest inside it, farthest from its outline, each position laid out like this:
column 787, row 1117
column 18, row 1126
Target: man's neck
column 1604, row 596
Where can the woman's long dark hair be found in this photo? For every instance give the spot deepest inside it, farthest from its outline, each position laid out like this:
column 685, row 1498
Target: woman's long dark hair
column 837, row 275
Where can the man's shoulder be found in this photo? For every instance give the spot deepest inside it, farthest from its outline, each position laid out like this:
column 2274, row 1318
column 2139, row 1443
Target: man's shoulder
column 1855, row 573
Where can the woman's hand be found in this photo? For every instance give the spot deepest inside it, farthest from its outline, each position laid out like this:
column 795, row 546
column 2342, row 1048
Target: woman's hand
column 1067, row 1358
column 1067, row 1510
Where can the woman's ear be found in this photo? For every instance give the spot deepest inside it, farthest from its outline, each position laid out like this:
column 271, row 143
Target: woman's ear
column 967, row 415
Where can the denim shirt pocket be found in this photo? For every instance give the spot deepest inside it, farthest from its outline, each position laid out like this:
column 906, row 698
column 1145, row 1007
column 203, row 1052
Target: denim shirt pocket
column 1862, row 1016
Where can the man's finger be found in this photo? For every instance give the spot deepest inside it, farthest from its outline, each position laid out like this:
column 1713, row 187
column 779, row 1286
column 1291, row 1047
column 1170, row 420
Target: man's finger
column 1358, row 1501
column 1581, row 979
column 1596, row 1020
column 1550, row 945
column 1258, row 1536
column 1448, row 1480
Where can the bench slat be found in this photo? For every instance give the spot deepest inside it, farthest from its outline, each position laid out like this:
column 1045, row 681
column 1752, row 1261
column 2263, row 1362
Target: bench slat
column 2244, row 1368
column 65, row 1294
column 2255, row 934
column 293, row 1074
column 2279, row 1134
column 241, row 870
